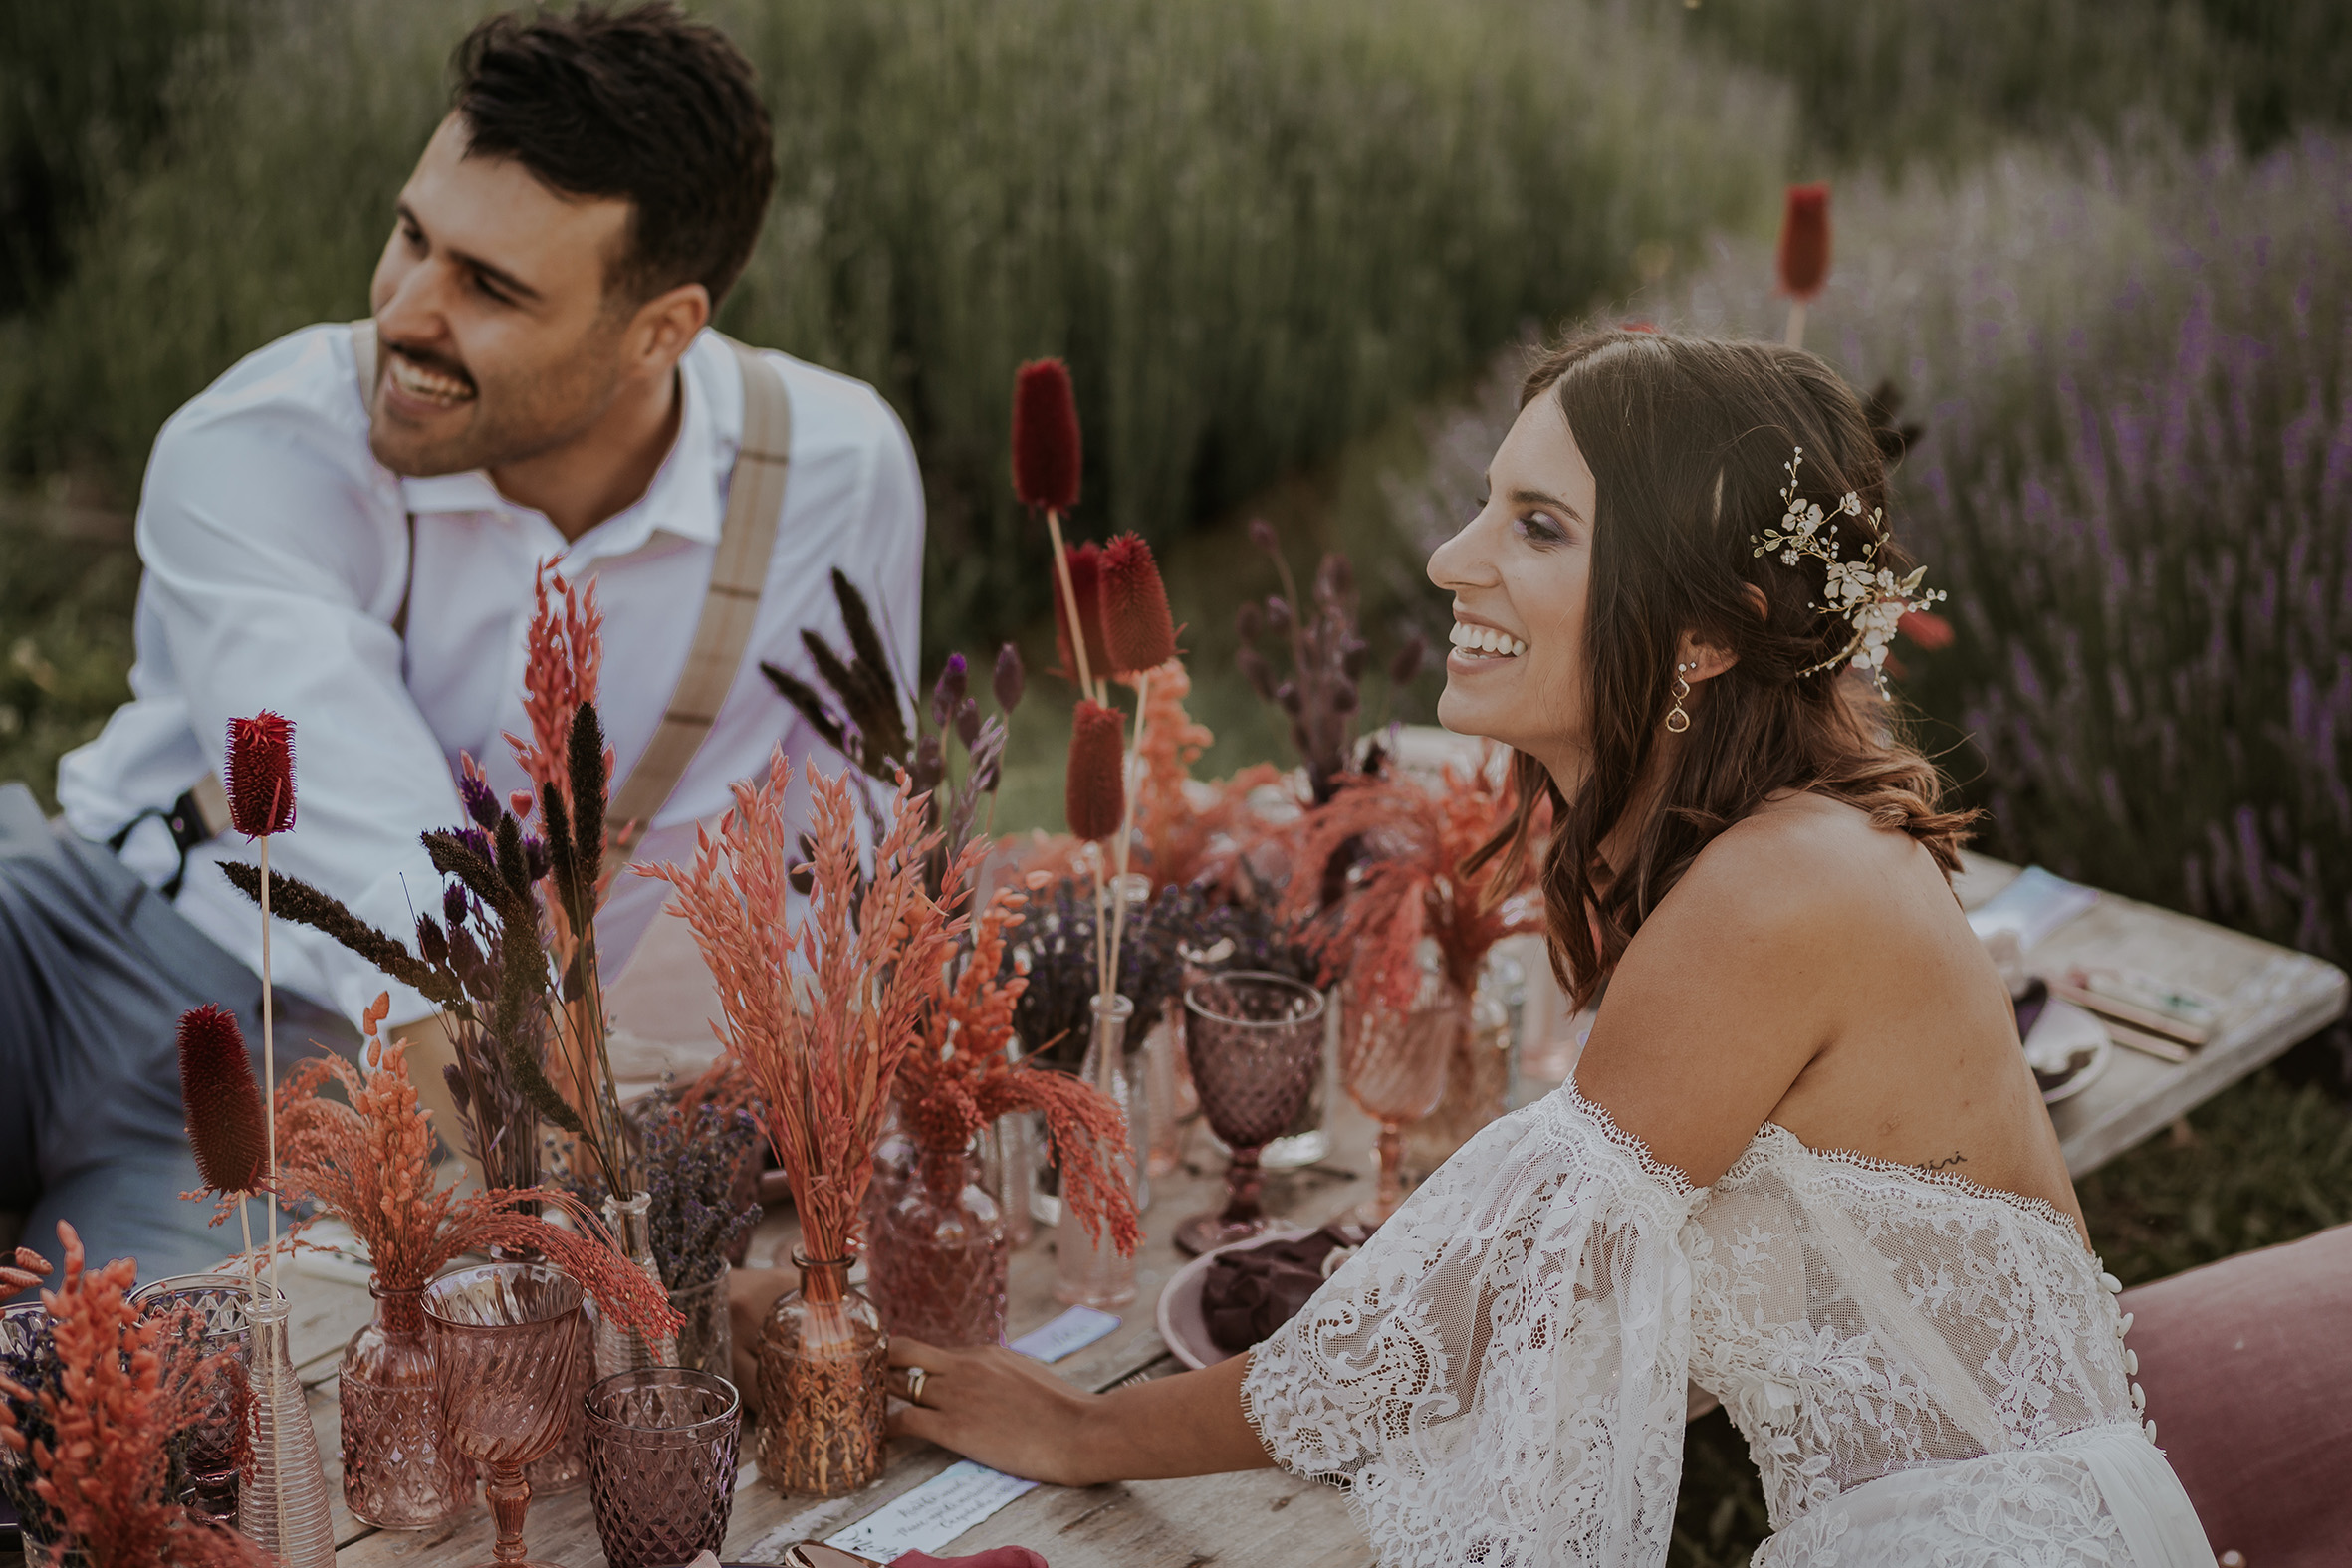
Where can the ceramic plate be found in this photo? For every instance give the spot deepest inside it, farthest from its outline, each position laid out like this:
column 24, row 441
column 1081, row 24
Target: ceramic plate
column 2062, row 1031
column 1181, row 1324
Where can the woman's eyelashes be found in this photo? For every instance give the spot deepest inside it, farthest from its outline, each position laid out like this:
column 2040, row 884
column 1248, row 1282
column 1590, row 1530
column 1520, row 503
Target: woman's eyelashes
column 1541, row 529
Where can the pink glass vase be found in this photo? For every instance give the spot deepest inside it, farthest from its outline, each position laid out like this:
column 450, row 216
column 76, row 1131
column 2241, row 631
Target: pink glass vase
column 937, row 1253
column 399, row 1468
column 824, row 1358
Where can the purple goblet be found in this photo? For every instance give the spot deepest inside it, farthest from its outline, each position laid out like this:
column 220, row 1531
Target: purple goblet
column 1256, row 1043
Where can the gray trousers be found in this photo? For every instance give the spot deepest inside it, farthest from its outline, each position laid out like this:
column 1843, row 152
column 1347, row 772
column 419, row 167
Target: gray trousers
column 96, row 968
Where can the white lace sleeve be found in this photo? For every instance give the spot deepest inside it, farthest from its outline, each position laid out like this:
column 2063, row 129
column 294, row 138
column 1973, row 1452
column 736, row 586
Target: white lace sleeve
column 1499, row 1376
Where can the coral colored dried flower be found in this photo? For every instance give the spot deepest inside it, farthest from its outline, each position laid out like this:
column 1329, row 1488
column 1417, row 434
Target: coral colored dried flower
column 1094, row 794
column 960, row 1078
column 259, row 775
column 1085, row 581
column 1805, row 241
column 873, row 951
column 226, row 1129
column 124, row 1386
column 1047, row 459
column 1137, row 631
column 564, row 661
column 369, row 1161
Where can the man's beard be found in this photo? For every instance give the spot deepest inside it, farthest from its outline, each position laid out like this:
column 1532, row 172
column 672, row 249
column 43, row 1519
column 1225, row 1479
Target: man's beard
column 507, row 421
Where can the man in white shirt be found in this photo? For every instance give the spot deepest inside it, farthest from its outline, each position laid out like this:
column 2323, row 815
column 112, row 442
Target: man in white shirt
column 546, row 389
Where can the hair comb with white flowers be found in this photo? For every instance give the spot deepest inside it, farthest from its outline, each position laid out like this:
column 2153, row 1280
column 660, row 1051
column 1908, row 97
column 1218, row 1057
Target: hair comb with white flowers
column 1862, row 593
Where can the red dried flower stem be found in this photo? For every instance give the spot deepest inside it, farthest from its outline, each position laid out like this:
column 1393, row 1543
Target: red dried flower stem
column 1069, row 600
column 1804, row 257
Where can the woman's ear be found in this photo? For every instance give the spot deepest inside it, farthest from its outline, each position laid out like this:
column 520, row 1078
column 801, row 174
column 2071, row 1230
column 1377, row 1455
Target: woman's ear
column 1702, row 660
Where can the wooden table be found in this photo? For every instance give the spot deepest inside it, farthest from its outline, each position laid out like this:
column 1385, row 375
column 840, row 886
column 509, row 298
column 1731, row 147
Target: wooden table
column 2272, row 999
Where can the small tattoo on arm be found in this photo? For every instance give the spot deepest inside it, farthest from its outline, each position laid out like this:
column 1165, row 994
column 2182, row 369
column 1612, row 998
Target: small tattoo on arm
column 1937, row 1164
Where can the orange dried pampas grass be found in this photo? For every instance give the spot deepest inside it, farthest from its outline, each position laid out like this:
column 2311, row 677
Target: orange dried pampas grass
column 959, row 1078
column 1410, row 885
column 877, row 947
column 123, row 1387
column 370, row 1162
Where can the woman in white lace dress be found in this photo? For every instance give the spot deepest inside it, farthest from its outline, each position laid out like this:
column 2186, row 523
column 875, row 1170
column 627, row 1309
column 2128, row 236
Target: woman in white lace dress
column 1888, row 1286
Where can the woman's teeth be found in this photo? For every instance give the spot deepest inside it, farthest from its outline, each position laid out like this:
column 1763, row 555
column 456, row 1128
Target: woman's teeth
column 417, row 381
column 1486, row 642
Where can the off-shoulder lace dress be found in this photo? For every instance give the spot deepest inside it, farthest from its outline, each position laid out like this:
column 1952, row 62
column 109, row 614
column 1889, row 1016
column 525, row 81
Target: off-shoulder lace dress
column 1927, row 1371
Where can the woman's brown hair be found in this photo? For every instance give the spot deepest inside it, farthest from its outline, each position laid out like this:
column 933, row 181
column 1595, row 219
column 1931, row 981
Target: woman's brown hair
column 1689, row 440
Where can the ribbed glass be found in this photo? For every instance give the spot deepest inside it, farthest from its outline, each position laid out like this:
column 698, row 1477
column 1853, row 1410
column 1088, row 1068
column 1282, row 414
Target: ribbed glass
column 503, row 1336
column 282, row 1498
column 621, row 1348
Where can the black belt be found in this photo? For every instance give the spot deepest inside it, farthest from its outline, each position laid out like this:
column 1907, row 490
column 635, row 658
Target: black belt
column 185, row 818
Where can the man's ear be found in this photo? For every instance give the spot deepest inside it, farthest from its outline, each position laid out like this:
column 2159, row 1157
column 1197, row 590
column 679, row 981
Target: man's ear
column 665, row 327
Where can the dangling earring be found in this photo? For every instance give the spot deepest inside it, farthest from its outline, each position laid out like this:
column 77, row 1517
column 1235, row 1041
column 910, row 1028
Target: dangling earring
column 1679, row 721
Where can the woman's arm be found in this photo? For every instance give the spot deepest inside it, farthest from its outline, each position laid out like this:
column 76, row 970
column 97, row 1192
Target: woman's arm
column 1014, row 1415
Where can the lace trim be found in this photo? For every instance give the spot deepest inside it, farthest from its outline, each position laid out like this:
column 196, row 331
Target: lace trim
column 1626, row 1142
column 2040, row 1208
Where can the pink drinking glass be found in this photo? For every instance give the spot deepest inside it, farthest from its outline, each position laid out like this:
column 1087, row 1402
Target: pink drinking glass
column 506, row 1335
column 1256, row 1043
column 1393, row 1062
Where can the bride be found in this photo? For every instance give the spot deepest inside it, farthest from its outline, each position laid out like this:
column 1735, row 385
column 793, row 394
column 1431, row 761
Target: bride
column 1674, row 608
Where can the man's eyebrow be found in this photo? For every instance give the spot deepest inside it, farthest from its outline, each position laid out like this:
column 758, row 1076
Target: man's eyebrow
column 490, row 270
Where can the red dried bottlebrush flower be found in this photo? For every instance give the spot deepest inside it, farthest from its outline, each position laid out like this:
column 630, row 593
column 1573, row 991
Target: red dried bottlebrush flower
column 1046, row 454
column 1137, row 629
column 1095, row 793
column 1805, row 242
column 1085, row 581
column 260, row 775
column 225, row 1125
column 1927, row 628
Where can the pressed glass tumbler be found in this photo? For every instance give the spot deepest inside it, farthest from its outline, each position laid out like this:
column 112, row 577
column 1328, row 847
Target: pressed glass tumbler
column 505, row 1338
column 661, row 1449
column 208, row 1449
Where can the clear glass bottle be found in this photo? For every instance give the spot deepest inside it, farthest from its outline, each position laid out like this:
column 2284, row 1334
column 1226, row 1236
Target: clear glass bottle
column 282, row 1501
column 1478, row 1087
column 400, row 1470
column 824, row 1358
column 1007, row 1162
column 706, row 1341
column 619, row 1349
column 1088, row 1271
column 937, row 1254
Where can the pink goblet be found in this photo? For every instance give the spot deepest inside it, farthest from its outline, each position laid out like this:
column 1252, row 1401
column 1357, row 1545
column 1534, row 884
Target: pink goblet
column 1393, row 1062
column 1256, row 1041
column 506, row 1337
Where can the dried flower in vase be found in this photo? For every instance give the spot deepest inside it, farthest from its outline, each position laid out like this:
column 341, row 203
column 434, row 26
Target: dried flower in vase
column 961, row 1076
column 870, row 727
column 1056, row 953
column 1408, row 883
column 692, row 1149
column 366, row 1159
column 96, row 1420
column 875, row 946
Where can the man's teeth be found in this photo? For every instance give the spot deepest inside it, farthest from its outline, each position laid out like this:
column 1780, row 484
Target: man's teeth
column 417, row 381
column 1487, row 640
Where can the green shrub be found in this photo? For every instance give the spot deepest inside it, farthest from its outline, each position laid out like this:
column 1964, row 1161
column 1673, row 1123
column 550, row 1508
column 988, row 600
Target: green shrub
column 1888, row 81
column 1255, row 227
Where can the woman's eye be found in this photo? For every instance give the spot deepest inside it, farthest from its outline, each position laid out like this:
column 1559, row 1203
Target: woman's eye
column 1542, row 528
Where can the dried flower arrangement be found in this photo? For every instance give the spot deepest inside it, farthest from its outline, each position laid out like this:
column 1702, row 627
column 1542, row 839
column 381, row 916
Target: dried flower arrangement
column 367, row 1160
column 258, row 775
column 962, row 1075
column 1323, row 696
column 877, row 946
column 95, row 1415
column 1803, row 260
column 1057, row 954
column 869, row 728
column 692, row 1148
column 1407, row 882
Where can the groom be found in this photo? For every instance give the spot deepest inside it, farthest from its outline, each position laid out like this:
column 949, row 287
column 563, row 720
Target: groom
column 344, row 530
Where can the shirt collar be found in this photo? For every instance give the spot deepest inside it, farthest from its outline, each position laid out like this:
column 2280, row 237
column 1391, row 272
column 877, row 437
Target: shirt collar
column 683, row 498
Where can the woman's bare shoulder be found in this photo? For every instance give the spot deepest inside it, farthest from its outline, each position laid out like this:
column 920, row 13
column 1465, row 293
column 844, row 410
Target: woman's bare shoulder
column 1808, row 853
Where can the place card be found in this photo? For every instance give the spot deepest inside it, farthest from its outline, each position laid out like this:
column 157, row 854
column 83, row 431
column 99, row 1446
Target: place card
column 1075, row 1329
column 933, row 1514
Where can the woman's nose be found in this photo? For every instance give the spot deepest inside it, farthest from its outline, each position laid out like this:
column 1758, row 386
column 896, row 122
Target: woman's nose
column 1463, row 562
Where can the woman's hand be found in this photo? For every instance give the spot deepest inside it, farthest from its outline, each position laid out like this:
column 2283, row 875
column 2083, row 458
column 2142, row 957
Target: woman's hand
column 1014, row 1415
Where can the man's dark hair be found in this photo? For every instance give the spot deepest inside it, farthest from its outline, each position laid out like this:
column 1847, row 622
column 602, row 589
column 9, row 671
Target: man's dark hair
column 644, row 105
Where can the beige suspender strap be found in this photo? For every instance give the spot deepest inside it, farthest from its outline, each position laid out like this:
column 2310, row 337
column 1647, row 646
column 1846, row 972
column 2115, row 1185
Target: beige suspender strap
column 738, row 571
column 363, row 370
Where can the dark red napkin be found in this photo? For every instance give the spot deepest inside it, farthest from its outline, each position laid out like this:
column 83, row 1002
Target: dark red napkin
column 995, row 1557
column 1250, row 1292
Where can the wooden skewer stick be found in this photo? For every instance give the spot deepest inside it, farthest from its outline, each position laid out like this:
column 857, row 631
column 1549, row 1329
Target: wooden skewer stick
column 1796, row 324
column 1069, row 604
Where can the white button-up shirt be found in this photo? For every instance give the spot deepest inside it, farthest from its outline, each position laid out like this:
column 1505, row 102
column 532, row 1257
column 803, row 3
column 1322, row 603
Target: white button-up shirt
column 277, row 554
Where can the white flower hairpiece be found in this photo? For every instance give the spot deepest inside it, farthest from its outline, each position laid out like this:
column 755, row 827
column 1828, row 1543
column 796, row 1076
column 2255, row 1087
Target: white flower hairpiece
column 1865, row 596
